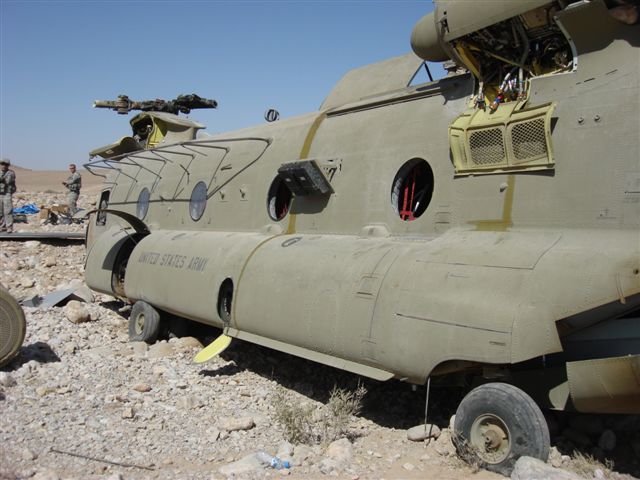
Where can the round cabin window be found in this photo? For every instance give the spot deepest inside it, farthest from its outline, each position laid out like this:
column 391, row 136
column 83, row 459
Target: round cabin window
column 412, row 189
column 278, row 199
column 142, row 206
column 198, row 200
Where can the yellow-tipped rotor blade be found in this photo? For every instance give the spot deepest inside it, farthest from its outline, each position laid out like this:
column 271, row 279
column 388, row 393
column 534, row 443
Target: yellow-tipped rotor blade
column 213, row 349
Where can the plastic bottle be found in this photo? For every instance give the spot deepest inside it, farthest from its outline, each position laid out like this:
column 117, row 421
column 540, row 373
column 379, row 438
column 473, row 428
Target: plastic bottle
column 271, row 461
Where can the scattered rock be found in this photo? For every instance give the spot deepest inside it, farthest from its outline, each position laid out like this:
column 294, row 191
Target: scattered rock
column 528, row 468
column 188, row 403
column 444, row 445
column 409, row 466
column 555, row 457
column 160, row 350
column 70, row 348
column 100, row 353
column 46, row 475
column 184, row 343
column 422, row 432
column 6, row 380
column 328, row 466
column 340, row 450
column 243, row 466
column 285, row 451
column 76, row 312
column 50, row 262
column 42, row 391
column 338, row 455
column 27, row 282
column 28, row 454
column 139, row 348
column 142, row 387
column 301, row 453
column 231, row 424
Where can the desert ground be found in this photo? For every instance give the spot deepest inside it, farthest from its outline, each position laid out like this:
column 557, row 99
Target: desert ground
column 50, row 181
column 80, row 401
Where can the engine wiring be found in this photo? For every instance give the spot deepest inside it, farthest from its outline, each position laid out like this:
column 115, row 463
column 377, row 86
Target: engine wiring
column 506, row 56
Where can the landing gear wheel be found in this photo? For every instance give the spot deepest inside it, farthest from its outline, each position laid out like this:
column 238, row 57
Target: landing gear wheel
column 145, row 323
column 12, row 327
column 498, row 423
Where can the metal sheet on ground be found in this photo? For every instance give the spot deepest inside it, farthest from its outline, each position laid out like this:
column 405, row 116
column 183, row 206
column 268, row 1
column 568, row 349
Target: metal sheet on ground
column 72, row 236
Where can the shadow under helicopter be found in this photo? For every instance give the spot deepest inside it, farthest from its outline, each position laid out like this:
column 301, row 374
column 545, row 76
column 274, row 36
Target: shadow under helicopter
column 398, row 405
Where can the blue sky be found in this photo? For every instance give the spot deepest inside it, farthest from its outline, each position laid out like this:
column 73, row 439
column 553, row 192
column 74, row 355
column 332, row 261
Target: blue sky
column 57, row 57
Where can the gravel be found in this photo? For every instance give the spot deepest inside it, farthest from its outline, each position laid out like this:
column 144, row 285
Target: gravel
column 81, row 401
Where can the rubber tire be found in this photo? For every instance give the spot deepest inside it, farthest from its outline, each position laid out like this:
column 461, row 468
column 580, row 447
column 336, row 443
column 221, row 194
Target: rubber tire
column 13, row 327
column 152, row 323
column 529, row 433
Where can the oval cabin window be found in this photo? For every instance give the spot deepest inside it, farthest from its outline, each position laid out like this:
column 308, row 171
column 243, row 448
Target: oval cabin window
column 412, row 189
column 142, row 207
column 198, row 201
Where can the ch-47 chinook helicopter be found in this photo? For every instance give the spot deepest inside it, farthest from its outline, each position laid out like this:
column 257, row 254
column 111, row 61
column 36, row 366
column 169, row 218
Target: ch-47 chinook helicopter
column 484, row 225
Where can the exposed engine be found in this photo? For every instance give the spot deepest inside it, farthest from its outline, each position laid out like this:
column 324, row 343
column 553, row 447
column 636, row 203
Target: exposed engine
column 506, row 46
column 504, row 56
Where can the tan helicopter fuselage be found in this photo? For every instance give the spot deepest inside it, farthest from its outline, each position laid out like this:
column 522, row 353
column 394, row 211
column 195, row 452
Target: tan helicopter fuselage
column 504, row 271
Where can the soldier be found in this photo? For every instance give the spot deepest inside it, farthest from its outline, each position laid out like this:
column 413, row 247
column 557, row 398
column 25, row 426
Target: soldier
column 73, row 183
column 7, row 189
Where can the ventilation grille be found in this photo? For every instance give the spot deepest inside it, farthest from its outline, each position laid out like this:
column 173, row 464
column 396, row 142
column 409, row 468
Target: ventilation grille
column 487, row 147
column 529, row 140
column 512, row 138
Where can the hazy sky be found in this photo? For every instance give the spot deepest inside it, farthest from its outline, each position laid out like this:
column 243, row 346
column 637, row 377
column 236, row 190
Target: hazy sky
column 56, row 57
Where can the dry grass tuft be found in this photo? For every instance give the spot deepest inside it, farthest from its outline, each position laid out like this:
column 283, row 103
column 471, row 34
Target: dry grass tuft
column 342, row 405
column 467, row 453
column 295, row 418
column 302, row 423
column 585, row 465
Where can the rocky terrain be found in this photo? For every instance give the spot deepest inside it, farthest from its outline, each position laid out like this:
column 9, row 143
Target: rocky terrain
column 80, row 401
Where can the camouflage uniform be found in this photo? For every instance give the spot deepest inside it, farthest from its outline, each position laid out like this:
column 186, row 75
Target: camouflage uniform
column 7, row 189
column 73, row 183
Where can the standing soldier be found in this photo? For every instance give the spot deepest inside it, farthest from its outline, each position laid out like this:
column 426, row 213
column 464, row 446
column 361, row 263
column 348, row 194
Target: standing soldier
column 7, row 189
column 73, row 183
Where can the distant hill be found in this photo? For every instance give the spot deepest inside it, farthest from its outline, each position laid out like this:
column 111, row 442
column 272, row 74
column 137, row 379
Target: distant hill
column 28, row 180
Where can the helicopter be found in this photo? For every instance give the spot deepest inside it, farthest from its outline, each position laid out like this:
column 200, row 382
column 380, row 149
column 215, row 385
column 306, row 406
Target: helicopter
column 483, row 227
